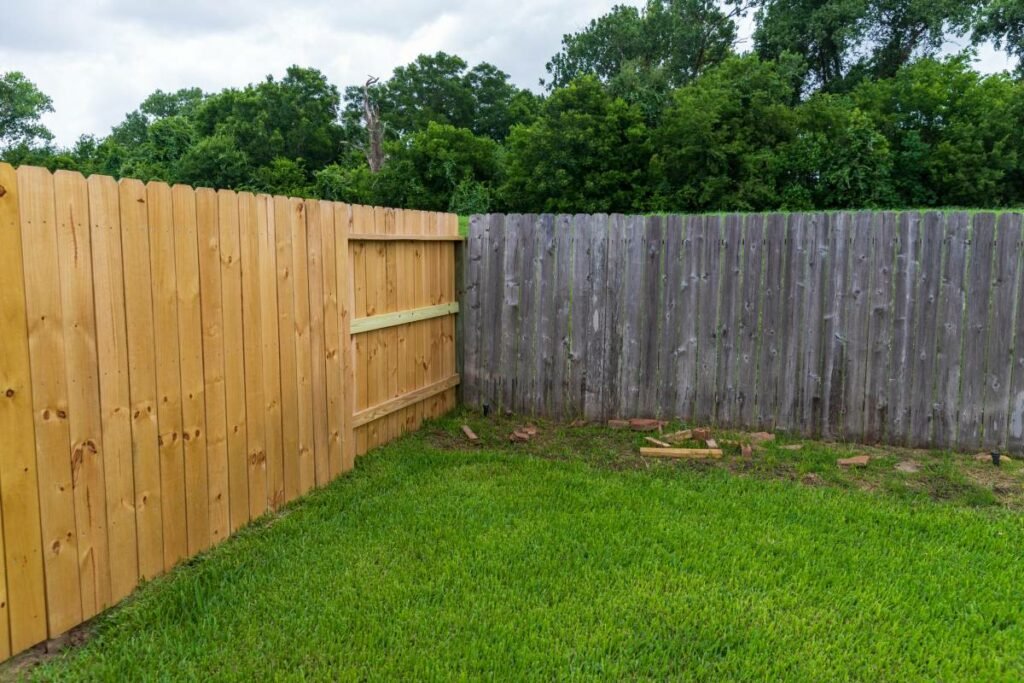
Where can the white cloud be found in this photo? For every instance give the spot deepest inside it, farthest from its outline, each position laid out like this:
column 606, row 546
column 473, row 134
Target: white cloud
column 98, row 59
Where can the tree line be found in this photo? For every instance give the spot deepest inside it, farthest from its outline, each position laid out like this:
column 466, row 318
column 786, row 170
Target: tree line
column 838, row 104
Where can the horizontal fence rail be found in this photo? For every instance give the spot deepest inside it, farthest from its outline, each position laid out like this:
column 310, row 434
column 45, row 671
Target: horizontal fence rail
column 899, row 327
column 175, row 363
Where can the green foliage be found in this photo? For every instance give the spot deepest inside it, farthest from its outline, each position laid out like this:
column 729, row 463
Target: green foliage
column 22, row 105
column 441, row 88
column 838, row 159
column 955, row 136
column 845, row 41
column 282, row 177
column 586, row 152
column 641, row 54
column 1002, row 21
column 351, row 184
column 842, row 104
column 719, row 143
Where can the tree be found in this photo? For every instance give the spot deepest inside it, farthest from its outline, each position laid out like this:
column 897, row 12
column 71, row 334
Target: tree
column 1002, row 21
column 845, row 41
column 837, row 160
column 22, row 106
column 643, row 53
column 718, row 147
column 586, row 152
column 431, row 166
column 441, row 88
column 955, row 135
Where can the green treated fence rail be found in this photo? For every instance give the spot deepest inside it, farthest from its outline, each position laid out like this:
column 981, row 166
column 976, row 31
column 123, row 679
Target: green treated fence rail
column 897, row 327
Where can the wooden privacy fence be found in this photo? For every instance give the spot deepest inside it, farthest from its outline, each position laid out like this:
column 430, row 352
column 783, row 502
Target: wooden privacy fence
column 900, row 327
column 176, row 362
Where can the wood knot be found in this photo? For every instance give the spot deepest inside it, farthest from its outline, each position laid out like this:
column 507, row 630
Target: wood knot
column 3, row 190
column 9, row 393
column 55, row 547
column 62, row 414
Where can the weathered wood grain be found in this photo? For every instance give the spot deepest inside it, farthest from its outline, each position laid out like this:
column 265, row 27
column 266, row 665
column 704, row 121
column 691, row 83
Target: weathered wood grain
column 559, row 400
column 595, row 326
column 749, row 327
column 908, row 253
column 579, row 313
column 670, row 338
column 771, row 360
column 790, row 337
column 707, row 320
column 950, row 328
column 1000, row 352
column 858, row 329
column 730, row 288
column 840, row 324
column 880, row 306
column 835, row 325
column 547, row 296
column 979, row 292
column 925, row 319
column 649, row 301
column 513, row 251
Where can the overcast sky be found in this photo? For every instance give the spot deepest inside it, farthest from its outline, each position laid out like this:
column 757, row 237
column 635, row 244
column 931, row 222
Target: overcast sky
column 98, row 59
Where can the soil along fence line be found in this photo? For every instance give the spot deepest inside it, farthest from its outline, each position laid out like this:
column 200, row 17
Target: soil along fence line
column 901, row 327
column 175, row 363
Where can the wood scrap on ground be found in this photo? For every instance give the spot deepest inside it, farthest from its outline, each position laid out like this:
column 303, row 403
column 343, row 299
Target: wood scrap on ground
column 518, row 437
column 656, row 442
column 695, row 453
column 638, row 424
column 711, row 443
column 855, row 461
column 523, row 434
column 679, row 437
column 618, row 424
column 792, row 447
column 470, row 434
column 701, row 434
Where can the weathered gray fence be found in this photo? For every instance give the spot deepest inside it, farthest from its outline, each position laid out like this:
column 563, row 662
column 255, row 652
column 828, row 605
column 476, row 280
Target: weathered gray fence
column 875, row 326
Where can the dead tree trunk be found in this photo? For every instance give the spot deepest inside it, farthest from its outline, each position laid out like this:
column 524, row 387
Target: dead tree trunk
column 374, row 129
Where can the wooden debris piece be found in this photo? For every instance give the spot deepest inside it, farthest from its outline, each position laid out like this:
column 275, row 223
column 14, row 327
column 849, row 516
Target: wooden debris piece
column 792, row 447
column 701, row 434
column 518, row 437
column 529, row 430
column 855, row 461
column 470, row 434
column 618, row 424
column 681, row 452
column 747, row 451
column 662, row 444
column 645, row 425
column 711, row 443
column 760, row 437
column 679, row 437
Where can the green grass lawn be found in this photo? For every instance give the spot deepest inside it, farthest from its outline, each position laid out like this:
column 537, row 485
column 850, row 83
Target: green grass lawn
column 572, row 558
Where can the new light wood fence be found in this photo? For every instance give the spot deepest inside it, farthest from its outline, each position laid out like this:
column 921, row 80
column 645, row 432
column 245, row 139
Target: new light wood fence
column 175, row 362
column 900, row 327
